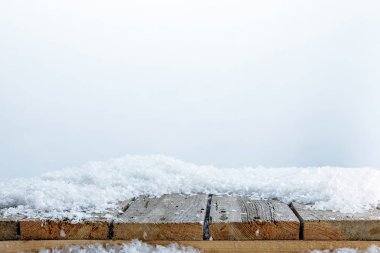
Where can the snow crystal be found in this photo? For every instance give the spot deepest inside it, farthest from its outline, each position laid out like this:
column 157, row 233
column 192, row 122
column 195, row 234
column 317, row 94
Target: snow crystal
column 257, row 233
column 96, row 187
column 133, row 247
column 62, row 233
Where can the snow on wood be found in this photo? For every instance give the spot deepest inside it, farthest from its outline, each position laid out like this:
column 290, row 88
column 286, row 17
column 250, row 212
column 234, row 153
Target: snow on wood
column 329, row 225
column 177, row 217
column 103, row 185
column 240, row 218
column 171, row 217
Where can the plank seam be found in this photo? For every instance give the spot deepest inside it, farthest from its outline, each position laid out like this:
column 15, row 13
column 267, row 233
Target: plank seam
column 110, row 231
column 299, row 218
column 18, row 236
column 206, row 233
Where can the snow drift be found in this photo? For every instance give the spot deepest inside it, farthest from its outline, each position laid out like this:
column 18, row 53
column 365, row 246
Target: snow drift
column 98, row 186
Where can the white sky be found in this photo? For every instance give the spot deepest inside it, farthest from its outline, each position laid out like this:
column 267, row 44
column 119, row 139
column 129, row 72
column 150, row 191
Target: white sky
column 229, row 83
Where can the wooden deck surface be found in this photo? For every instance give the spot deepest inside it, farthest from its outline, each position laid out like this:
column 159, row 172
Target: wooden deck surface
column 230, row 221
column 328, row 225
column 172, row 217
column 240, row 218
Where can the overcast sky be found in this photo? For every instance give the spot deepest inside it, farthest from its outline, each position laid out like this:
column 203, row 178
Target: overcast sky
column 229, row 83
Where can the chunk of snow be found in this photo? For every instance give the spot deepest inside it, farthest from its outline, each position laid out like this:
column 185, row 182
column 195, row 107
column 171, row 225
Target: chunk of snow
column 62, row 233
column 257, row 233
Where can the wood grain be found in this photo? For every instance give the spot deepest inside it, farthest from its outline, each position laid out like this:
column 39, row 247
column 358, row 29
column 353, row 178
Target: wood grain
column 240, row 218
column 63, row 230
column 289, row 246
column 8, row 229
column 171, row 217
column 328, row 225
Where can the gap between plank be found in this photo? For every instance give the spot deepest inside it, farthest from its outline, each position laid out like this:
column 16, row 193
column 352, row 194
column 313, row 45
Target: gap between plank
column 18, row 236
column 110, row 231
column 299, row 218
column 206, row 234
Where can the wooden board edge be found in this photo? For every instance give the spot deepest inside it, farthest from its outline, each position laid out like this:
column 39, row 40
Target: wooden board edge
column 35, row 229
column 279, row 230
column 158, row 231
column 205, row 246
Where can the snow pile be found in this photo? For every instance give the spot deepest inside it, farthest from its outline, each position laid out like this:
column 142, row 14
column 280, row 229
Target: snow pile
column 133, row 247
column 98, row 186
column 372, row 249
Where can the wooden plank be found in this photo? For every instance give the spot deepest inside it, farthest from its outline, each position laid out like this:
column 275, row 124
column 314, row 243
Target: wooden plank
column 171, row 217
column 283, row 246
column 240, row 218
column 34, row 229
column 8, row 229
column 328, row 225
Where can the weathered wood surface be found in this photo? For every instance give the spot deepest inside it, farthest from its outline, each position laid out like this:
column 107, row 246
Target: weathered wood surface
column 8, row 229
column 179, row 217
column 290, row 246
column 240, row 218
column 171, row 217
column 328, row 225
column 64, row 230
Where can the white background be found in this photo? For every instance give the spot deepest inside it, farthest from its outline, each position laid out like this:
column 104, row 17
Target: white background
column 229, row 83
